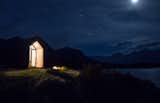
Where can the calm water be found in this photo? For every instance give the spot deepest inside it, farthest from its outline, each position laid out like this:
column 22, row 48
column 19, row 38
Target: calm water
column 152, row 74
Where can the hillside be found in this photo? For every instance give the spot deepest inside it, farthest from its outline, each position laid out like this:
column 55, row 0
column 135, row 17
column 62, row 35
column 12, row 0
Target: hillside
column 18, row 58
column 35, row 85
column 69, row 86
column 144, row 58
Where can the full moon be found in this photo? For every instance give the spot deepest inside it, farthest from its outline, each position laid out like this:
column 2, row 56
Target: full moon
column 134, row 1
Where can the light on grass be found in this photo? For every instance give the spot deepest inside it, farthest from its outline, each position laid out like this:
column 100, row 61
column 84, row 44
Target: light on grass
column 57, row 68
column 66, row 70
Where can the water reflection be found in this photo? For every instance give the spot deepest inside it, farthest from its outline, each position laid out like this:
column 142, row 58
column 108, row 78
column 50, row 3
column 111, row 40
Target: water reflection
column 152, row 74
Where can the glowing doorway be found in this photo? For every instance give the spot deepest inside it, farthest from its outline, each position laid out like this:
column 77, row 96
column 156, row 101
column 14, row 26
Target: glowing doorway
column 36, row 55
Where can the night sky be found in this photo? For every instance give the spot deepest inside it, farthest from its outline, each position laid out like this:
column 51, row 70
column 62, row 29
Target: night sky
column 95, row 26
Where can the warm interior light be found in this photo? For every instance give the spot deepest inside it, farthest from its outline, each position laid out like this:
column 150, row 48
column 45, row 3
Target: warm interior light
column 36, row 55
column 55, row 67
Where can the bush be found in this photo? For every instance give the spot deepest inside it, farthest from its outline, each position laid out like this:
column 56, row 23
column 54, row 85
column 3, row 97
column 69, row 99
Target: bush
column 91, row 72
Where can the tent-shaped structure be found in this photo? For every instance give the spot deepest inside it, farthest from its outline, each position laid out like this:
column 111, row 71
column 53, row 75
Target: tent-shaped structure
column 36, row 55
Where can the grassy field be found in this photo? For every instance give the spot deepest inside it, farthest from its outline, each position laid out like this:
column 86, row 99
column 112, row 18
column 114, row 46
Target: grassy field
column 37, row 73
column 37, row 85
column 37, row 76
column 68, row 86
column 25, row 73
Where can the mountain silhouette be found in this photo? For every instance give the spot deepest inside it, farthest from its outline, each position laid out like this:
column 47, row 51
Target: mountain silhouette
column 142, row 55
column 14, row 53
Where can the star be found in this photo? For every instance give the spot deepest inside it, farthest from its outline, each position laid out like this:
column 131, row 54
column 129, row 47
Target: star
column 81, row 15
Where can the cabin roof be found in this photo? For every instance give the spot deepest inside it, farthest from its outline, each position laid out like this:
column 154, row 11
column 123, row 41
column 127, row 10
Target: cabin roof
column 31, row 40
column 23, row 42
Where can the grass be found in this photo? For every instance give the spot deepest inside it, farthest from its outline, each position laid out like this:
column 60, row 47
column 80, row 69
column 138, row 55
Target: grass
column 36, row 77
column 40, row 74
column 25, row 73
column 36, row 84
column 68, row 71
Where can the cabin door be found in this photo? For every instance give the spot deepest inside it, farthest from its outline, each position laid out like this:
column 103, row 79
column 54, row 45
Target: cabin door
column 33, row 57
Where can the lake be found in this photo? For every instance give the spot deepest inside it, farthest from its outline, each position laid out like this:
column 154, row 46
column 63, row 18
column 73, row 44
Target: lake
column 152, row 74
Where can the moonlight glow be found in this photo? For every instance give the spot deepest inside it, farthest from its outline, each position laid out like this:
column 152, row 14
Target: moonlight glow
column 134, row 1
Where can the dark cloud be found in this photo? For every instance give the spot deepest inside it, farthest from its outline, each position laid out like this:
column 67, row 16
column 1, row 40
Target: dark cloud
column 86, row 24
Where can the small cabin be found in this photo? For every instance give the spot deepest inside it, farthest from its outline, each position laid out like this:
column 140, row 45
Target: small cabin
column 36, row 55
column 25, row 53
